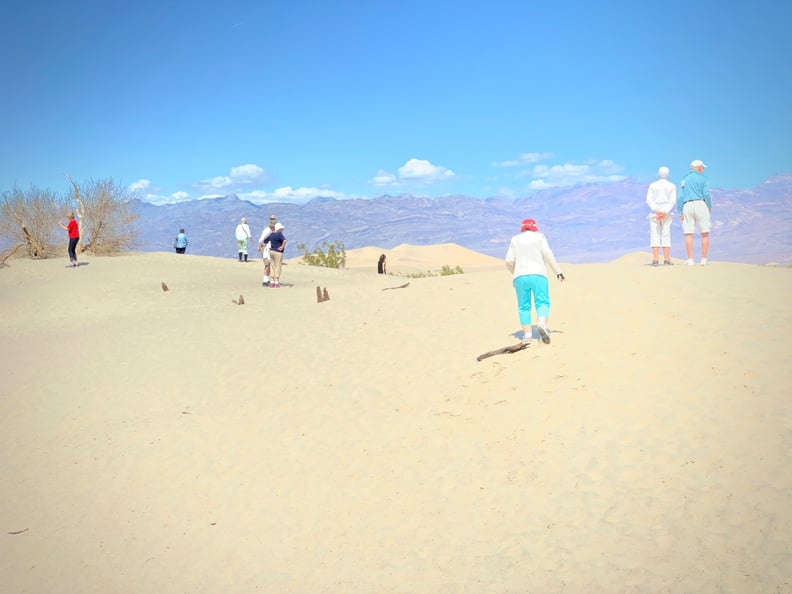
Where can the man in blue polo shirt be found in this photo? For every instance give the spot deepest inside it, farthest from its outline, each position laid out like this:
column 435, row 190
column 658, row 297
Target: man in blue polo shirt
column 694, row 205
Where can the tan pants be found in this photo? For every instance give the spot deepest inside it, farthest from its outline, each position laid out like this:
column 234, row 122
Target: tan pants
column 276, row 259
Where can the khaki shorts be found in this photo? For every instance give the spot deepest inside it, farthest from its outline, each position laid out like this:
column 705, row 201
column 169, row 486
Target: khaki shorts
column 697, row 217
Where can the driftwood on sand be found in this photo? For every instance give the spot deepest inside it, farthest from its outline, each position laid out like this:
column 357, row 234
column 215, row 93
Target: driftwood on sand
column 399, row 287
column 164, row 287
column 505, row 350
column 6, row 255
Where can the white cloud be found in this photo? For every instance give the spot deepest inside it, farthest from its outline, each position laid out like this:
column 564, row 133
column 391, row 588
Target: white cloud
column 291, row 195
column 247, row 173
column 570, row 174
column 523, row 160
column 383, row 178
column 140, row 185
column 217, row 182
column 159, row 199
column 239, row 175
column 423, row 172
column 414, row 171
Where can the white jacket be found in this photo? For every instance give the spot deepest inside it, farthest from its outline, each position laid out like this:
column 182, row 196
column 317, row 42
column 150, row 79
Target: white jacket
column 529, row 253
column 661, row 196
column 242, row 232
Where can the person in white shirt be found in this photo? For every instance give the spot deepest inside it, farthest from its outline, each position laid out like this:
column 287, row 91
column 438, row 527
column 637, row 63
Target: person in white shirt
column 264, row 248
column 661, row 199
column 527, row 259
column 242, row 235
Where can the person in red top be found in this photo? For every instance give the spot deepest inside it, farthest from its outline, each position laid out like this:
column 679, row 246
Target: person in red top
column 74, row 237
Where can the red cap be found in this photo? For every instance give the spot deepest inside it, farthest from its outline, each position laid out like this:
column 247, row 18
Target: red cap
column 529, row 225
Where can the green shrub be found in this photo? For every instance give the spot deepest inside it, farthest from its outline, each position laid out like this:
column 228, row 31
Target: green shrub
column 447, row 270
column 330, row 255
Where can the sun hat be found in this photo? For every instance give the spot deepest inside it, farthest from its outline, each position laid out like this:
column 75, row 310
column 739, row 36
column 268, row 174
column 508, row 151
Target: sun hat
column 528, row 225
column 696, row 164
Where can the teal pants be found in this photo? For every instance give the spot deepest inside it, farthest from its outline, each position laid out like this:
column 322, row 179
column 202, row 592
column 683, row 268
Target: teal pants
column 532, row 287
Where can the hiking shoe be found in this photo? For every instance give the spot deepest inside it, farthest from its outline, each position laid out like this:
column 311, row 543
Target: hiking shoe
column 668, row 263
column 655, row 263
column 689, row 262
column 544, row 333
column 703, row 261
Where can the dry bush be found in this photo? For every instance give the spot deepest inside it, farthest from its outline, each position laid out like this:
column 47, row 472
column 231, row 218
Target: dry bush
column 30, row 218
column 108, row 223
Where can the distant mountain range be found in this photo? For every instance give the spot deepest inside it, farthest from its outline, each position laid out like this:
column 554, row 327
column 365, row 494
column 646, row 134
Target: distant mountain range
column 586, row 223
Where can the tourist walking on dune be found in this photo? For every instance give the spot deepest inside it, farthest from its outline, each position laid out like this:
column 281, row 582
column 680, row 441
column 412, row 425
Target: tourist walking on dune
column 695, row 205
column 661, row 199
column 264, row 248
column 381, row 265
column 242, row 238
column 527, row 259
column 181, row 242
column 277, row 245
column 74, row 238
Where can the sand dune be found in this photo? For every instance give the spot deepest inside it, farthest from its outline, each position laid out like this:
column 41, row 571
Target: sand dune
column 414, row 259
column 174, row 441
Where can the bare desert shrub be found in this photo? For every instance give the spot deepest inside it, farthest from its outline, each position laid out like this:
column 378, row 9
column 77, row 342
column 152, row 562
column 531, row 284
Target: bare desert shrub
column 108, row 223
column 30, row 219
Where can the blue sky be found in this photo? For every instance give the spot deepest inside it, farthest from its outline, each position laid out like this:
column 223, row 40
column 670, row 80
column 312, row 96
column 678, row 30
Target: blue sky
column 284, row 101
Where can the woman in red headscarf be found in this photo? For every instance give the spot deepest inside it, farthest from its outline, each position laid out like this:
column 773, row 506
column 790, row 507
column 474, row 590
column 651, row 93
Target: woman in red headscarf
column 527, row 259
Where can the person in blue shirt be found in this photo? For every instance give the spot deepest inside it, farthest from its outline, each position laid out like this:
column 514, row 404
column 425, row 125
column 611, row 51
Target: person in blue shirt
column 694, row 204
column 181, row 242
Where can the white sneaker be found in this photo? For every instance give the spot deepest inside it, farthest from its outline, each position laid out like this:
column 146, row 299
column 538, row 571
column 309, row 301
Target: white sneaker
column 689, row 262
column 703, row 261
column 544, row 333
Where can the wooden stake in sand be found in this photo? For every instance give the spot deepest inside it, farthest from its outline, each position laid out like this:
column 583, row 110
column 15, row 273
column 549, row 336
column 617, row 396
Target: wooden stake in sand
column 508, row 349
column 240, row 301
column 164, row 287
column 322, row 296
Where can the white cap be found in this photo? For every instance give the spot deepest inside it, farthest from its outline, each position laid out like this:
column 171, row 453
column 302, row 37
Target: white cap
column 663, row 172
column 696, row 164
column 278, row 227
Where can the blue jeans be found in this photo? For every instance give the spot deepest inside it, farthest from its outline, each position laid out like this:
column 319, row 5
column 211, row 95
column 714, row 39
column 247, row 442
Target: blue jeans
column 532, row 286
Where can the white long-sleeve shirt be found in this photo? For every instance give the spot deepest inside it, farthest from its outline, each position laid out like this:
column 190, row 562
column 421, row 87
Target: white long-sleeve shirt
column 264, row 236
column 529, row 253
column 661, row 196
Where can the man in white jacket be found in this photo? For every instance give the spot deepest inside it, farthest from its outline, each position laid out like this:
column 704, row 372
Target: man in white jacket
column 242, row 235
column 527, row 259
column 661, row 198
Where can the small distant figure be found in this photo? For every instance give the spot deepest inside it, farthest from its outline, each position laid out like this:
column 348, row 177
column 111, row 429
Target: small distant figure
column 264, row 248
column 695, row 204
column 381, row 267
column 181, row 242
column 242, row 235
column 74, row 238
column 527, row 260
column 661, row 198
column 277, row 244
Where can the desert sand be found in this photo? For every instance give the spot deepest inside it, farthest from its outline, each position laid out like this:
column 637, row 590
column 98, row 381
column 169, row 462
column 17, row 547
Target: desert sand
column 171, row 442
